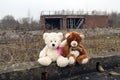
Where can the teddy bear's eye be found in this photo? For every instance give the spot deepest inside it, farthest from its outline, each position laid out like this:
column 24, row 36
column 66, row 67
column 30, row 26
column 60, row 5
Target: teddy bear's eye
column 55, row 41
column 51, row 41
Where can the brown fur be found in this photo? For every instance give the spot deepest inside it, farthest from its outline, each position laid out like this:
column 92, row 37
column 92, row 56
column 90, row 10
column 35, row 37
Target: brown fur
column 74, row 36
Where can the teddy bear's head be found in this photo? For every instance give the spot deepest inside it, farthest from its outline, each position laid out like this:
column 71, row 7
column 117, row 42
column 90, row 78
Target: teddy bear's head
column 52, row 40
column 73, row 38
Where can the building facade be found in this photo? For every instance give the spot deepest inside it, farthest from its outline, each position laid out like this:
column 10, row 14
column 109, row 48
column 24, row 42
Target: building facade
column 73, row 21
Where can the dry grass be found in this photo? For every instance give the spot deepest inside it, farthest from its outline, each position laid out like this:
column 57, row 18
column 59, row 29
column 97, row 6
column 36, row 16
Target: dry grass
column 22, row 49
column 102, row 45
column 26, row 46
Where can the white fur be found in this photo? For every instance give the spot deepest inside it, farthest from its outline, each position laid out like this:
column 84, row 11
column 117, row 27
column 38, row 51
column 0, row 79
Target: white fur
column 62, row 62
column 84, row 61
column 45, row 61
column 71, row 60
column 49, row 52
column 43, row 52
column 45, row 35
column 76, row 53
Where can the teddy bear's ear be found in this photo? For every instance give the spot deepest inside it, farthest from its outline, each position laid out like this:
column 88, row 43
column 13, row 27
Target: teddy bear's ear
column 82, row 36
column 67, row 35
column 45, row 35
column 60, row 35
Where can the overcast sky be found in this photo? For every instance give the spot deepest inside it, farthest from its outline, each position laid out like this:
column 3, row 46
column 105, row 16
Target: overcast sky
column 21, row 8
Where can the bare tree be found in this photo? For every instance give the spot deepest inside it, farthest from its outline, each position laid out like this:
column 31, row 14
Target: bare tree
column 8, row 22
column 27, row 23
column 114, row 19
column 24, row 24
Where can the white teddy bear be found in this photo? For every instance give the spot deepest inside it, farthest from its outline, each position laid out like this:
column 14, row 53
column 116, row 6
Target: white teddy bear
column 51, row 52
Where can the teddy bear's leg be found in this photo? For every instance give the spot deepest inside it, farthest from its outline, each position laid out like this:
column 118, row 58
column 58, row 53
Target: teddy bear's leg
column 72, row 59
column 83, row 59
column 45, row 61
column 62, row 61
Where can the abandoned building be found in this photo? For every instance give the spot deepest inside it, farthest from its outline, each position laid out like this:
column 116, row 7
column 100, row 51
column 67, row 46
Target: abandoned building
column 72, row 21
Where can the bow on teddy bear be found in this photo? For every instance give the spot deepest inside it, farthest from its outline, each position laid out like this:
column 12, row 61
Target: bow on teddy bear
column 73, row 48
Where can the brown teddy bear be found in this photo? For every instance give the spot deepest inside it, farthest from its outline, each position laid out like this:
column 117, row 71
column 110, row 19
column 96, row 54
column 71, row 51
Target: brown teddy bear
column 73, row 49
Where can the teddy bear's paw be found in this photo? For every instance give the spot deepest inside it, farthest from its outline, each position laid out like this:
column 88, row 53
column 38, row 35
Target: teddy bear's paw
column 72, row 52
column 45, row 61
column 71, row 60
column 62, row 62
column 84, row 61
column 76, row 53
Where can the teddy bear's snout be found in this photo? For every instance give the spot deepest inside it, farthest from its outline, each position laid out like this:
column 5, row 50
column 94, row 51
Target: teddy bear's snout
column 53, row 45
column 74, row 43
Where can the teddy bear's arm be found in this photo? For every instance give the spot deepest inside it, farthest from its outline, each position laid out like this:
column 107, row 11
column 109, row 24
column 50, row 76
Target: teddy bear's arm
column 83, row 58
column 43, row 53
column 83, row 50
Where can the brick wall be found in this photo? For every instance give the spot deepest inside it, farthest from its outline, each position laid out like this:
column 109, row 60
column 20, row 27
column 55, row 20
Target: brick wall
column 96, row 21
column 90, row 20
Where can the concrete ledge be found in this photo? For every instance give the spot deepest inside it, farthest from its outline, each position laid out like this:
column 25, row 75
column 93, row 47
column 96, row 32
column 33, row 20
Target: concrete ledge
column 34, row 71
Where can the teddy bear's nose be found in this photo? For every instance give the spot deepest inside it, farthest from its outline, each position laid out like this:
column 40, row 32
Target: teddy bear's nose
column 74, row 44
column 53, row 44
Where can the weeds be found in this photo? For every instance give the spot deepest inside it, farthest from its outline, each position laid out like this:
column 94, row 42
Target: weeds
column 26, row 46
